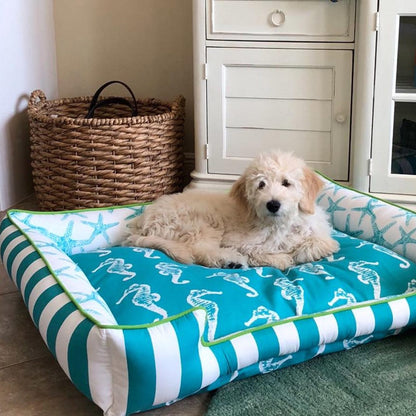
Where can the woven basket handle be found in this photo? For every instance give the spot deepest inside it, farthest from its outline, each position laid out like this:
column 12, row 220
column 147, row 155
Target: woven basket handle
column 178, row 106
column 36, row 96
column 112, row 100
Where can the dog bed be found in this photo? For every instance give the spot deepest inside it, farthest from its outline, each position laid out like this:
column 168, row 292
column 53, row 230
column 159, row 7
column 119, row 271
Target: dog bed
column 134, row 330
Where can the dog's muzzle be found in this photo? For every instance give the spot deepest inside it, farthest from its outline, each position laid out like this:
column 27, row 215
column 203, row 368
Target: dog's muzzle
column 273, row 206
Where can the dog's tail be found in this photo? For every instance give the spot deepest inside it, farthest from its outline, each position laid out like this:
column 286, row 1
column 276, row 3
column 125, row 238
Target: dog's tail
column 179, row 251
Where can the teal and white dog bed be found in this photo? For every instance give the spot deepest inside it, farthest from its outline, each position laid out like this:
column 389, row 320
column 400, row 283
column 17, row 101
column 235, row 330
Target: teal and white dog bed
column 134, row 330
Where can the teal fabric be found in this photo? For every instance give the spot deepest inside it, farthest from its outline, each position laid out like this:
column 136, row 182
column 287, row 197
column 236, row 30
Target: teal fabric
column 143, row 286
column 374, row 380
column 137, row 337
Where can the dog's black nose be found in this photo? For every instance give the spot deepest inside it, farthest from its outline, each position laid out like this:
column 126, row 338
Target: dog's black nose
column 273, row 206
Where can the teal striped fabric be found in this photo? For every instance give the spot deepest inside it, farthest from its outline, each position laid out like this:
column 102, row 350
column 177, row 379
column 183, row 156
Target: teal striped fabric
column 128, row 368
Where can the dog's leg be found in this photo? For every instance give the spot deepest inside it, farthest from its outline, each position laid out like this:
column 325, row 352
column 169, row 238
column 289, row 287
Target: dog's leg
column 179, row 251
column 278, row 260
column 313, row 249
column 210, row 254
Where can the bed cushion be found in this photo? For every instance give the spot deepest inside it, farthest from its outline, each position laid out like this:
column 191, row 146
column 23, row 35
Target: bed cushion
column 133, row 330
column 144, row 286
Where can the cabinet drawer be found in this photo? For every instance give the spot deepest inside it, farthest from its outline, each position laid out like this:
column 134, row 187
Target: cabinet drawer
column 294, row 20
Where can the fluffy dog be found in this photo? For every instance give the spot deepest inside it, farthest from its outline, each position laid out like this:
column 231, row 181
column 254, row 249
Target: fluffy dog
column 269, row 218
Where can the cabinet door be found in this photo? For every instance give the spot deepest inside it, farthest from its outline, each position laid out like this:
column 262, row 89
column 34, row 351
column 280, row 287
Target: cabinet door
column 262, row 99
column 394, row 131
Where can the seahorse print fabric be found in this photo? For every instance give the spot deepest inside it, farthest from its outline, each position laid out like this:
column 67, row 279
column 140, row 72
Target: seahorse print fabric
column 132, row 331
column 143, row 286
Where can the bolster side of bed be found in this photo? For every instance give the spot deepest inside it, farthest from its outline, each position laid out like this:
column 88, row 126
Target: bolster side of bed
column 75, row 341
column 369, row 218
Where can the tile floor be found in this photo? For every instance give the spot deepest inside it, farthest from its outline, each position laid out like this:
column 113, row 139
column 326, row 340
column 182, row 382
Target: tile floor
column 31, row 382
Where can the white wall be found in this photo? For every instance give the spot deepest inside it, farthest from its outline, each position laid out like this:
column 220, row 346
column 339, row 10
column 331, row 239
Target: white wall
column 69, row 48
column 146, row 43
column 27, row 50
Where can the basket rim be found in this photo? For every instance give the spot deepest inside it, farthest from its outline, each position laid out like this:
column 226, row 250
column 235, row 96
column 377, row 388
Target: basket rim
column 39, row 108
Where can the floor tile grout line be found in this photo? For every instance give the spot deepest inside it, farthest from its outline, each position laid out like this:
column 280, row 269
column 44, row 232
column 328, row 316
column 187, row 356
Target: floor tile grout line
column 46, row 355
column 9, row 292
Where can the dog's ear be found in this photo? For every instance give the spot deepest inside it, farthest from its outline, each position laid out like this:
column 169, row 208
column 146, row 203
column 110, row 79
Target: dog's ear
column 238, row 190
column 311, row 184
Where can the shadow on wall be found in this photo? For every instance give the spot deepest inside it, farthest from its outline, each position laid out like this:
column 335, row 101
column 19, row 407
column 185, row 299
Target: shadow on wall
column 18, row 151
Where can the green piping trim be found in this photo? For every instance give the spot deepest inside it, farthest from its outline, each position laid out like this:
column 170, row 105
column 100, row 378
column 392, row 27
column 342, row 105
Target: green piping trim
column 311, row 316
column 47, row 264
column 110, row 208
column 189, row 311
column 377, row 334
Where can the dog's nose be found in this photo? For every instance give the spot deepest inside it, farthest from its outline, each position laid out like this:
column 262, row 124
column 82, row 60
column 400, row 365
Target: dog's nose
column 273, row 206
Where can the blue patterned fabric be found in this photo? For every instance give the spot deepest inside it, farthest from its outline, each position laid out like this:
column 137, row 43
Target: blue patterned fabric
column 143, row 286
column 138, row 335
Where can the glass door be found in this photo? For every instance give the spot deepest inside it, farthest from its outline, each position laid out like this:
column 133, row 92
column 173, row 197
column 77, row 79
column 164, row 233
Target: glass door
column 404, row 125
column 394, row 133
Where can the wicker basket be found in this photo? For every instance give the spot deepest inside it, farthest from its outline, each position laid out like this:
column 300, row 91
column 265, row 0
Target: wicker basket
column 112, row 159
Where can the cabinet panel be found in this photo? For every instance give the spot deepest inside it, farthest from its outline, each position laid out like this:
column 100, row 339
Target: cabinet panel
column 394, row 137
column 289, row 99
column 242, row 143
column 309, row 20
column 260, row 113
column 279, row 82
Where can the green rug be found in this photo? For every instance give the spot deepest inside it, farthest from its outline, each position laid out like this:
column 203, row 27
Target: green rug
column 376, row 379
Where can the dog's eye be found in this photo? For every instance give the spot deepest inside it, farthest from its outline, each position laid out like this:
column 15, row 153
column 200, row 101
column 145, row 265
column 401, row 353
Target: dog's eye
column 261, row 185
column 285, row 183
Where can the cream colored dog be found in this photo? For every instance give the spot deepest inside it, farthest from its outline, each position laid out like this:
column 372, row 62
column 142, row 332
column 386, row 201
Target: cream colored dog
column 269, row 218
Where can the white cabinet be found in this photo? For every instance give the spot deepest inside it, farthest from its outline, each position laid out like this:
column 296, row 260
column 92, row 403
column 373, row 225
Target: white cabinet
column 333, row 81
column 272, row 74
column 290, row 99
column 394, row 128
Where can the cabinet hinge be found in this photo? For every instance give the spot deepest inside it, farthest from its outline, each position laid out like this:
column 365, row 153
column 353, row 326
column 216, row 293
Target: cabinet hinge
column 377, row 22
column 370, row 167
column 205, row 71
column 206, row 155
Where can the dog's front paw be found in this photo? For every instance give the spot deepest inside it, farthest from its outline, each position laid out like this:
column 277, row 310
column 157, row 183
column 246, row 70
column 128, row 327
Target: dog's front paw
column 234, row 260
column 130, row 241
column 233, row 265
column 314, row 249
column 279, row 261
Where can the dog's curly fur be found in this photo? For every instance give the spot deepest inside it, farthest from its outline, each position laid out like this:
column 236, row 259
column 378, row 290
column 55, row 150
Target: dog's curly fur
column 269, row 218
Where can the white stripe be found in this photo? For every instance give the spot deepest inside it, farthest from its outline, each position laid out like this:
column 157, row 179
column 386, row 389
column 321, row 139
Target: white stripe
column 18, row 260
column 288, row 338
column 49, row 311
column 37, row 290
column 63, row 337
column 328, row 329
column 167, row 361
column 6, row 232
column 246, row 350
column 401, row 313
column 209, row 363
column 11, row 246
column 29, row 272
column 99, row 368
column 364, row 320
column 120, row 373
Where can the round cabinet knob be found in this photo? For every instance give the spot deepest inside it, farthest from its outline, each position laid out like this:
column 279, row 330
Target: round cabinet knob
column 277, row 18
column 341, row 118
